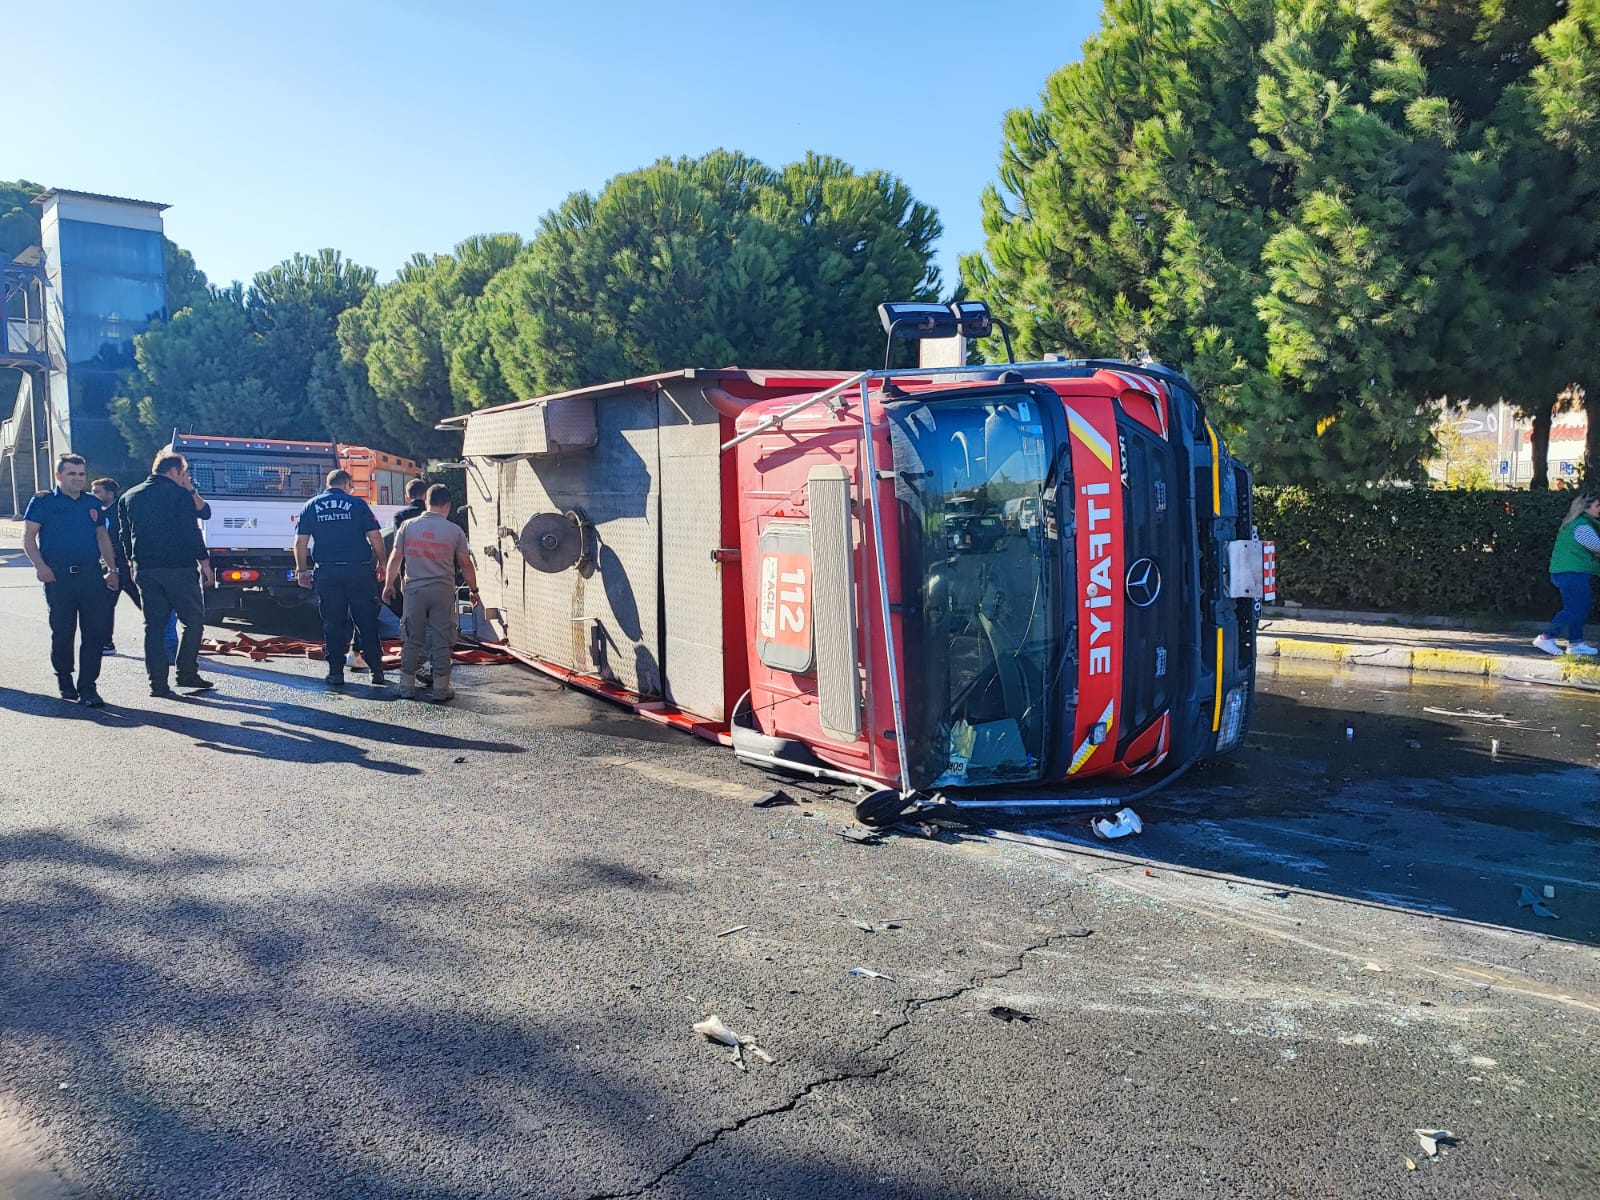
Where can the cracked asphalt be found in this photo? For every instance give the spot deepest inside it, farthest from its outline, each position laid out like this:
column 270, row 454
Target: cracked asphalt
column 280, row 942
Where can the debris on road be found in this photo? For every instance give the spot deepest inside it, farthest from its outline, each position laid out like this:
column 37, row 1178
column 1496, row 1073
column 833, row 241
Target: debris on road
column 869, row 973
column 775, row 800
column 732, row 929
column 460, row 758
column 869, row 927
column 258, row 649
column 1526, row 899
column 1472, row 714
column 712, row 1029
column 862, row 835
column 1008, row 1014
column 1413, row 744
column 1075, row 933
column 1410, row 1164
column 1432, row 1139
column 1549, row 891
column 1125, row 822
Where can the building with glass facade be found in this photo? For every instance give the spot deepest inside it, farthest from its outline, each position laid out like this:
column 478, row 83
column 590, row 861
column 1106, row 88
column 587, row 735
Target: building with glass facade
column 107, row 282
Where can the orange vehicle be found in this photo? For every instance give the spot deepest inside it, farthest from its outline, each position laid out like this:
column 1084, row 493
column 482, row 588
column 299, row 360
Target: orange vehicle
column 378, row 478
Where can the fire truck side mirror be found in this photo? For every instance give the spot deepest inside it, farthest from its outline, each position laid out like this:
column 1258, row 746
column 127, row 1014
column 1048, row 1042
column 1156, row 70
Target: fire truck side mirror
column 973, row 318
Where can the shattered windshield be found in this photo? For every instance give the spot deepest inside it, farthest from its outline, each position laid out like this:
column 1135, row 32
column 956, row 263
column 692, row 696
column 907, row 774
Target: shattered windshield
column 983, row 638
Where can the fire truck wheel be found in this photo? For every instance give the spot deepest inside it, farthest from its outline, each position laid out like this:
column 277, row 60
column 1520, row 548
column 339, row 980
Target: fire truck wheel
column 881, row 807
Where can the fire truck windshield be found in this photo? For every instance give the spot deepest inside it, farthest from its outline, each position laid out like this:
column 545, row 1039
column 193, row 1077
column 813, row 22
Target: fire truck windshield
column 983, row 633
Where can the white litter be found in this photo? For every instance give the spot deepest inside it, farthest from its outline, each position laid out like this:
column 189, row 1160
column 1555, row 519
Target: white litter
column 1125, row 822
column 1430, row 1139
column 712, row 1029
column 1526, row 899
column 869, row 973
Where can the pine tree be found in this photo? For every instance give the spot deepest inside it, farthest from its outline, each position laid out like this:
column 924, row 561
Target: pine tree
column 1330, row 213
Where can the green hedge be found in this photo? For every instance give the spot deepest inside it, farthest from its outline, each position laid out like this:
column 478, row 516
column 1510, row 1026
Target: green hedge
column 1446, row 553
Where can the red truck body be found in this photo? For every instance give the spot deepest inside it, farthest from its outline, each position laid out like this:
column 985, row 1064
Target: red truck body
column 980, row 583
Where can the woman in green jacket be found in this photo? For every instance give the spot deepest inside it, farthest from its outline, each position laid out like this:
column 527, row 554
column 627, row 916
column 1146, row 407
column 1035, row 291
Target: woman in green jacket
column 1574, row 562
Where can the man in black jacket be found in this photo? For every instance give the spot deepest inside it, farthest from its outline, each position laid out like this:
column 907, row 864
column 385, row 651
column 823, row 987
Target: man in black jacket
column 416, row 490
column 161, row 538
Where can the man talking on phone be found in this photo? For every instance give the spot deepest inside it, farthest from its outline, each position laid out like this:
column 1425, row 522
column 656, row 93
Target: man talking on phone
column 161, row 539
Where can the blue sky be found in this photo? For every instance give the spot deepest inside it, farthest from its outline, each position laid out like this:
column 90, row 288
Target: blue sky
column 386, row 128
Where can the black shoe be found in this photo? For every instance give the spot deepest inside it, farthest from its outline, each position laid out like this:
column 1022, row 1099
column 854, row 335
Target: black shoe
column 379, row 679
column 334, row 679
column 424, row 679
column 109, row 648
column 68, row 691
column 90, row 698
column 162, row 692
column 194, row 683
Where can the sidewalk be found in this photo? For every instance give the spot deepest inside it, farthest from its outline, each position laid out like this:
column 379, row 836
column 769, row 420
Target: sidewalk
column 1419, row 644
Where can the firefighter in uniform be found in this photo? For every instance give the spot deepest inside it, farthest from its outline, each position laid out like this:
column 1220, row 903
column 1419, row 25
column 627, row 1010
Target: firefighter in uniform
column 340, row 531
column 64, row 537
column 431, row 549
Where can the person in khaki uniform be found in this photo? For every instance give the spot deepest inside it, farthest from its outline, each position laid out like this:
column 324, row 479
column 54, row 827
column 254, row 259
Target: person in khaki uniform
column 431, row 548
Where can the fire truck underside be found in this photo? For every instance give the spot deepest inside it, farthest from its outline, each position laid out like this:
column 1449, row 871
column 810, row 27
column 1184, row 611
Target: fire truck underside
column 605, row 527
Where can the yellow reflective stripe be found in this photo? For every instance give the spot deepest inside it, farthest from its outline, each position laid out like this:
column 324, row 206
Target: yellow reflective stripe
column 1216, row 707
column 1216, row 471
column 1089, row 436
column 1108, row 719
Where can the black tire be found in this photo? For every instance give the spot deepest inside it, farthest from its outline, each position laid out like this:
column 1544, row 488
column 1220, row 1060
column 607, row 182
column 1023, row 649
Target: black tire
column 882, row 807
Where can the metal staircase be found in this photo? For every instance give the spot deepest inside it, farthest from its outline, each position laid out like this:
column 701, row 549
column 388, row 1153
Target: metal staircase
column 24, row 358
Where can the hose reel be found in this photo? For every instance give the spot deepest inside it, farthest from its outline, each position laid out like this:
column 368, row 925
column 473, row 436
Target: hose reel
column 556, row 542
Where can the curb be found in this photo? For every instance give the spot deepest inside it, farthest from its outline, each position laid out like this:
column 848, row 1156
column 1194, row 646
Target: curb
column 1561, row 672
column 1476, row 623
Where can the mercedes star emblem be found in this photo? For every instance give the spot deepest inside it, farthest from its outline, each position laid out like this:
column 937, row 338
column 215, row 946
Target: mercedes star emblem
column 1144, row 583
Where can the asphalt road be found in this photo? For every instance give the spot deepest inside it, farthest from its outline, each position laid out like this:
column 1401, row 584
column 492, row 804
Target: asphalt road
column 279, row 942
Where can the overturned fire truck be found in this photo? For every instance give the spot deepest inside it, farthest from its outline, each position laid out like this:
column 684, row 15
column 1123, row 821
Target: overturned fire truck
column 978, row 584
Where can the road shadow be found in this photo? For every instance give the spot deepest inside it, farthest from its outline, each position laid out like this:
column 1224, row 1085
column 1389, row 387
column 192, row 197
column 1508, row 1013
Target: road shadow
column 284, row 731
column 186, row 1033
